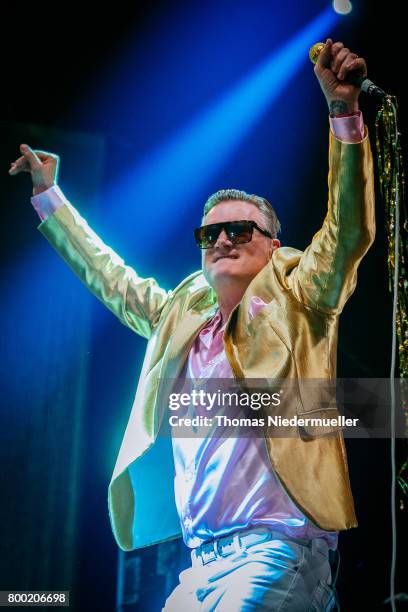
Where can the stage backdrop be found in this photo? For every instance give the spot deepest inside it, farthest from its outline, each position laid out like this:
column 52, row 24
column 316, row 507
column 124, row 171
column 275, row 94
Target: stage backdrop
column 45, row 335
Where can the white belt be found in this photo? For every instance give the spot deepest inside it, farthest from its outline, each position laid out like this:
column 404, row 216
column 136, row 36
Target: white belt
column 238, row 541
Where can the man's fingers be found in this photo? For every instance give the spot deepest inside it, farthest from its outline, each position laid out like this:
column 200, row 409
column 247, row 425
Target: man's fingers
column 339, row 59
column 44, row 155
column 332, row 55
column 323, row 60
column 30, row 156
column 20, row 165
column 32, row 159
column 14, row 171
column 336, row 47
column 357, row 64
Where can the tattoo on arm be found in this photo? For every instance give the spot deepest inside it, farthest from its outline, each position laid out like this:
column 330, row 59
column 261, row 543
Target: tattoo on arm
column 338, row 107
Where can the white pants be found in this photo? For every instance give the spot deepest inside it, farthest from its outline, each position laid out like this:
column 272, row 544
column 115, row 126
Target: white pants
column 276, row 575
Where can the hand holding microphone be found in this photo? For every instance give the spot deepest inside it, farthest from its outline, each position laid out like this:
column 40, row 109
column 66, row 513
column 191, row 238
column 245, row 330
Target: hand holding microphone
column 342, row 75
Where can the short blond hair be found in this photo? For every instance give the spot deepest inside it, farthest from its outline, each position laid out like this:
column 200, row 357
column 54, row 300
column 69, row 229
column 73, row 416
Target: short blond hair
column 268, row 212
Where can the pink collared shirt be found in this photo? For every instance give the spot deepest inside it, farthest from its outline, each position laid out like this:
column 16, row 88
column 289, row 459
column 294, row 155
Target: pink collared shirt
column 223, row 484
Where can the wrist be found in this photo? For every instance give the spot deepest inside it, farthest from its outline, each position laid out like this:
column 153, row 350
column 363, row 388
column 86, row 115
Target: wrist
column 37, row 189
column 340, row 108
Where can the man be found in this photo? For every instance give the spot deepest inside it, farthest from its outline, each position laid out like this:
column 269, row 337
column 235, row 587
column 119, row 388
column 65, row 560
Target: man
column 260, row 515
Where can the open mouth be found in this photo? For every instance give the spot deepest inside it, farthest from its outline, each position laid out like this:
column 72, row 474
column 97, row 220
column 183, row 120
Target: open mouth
column 227, row 257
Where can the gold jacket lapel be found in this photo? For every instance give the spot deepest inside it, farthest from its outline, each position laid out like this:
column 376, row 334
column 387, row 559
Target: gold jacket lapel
column 183, row 339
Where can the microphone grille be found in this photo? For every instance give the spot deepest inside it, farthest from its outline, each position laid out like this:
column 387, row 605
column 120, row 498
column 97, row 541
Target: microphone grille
column 315, row 51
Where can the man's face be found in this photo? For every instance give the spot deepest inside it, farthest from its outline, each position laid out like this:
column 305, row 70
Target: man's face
column 226, row 262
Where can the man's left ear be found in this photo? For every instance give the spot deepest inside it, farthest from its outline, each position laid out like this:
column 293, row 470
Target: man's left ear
column 275, row 245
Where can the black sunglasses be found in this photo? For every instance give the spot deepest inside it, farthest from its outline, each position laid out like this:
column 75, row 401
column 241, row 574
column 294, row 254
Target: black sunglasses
column 238, row 232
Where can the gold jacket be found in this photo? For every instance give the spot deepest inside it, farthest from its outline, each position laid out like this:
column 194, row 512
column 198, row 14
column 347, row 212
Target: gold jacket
column 294, row 336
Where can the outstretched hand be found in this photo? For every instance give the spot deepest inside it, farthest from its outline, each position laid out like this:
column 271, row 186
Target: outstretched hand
column 42, row 166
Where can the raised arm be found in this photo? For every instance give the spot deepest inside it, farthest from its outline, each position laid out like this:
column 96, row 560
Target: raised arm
column 137, row 302
column 326, row 274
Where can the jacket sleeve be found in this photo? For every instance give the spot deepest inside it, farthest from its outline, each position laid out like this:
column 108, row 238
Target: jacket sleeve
column 137, row 302
column 326, row 273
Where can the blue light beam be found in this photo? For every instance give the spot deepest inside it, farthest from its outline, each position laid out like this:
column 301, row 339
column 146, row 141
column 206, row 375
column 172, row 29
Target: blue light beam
column 172, row 175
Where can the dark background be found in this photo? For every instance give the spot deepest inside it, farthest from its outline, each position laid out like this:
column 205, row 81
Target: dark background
column 56, row 91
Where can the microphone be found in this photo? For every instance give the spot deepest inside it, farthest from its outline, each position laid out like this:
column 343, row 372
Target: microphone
column 352, row 77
